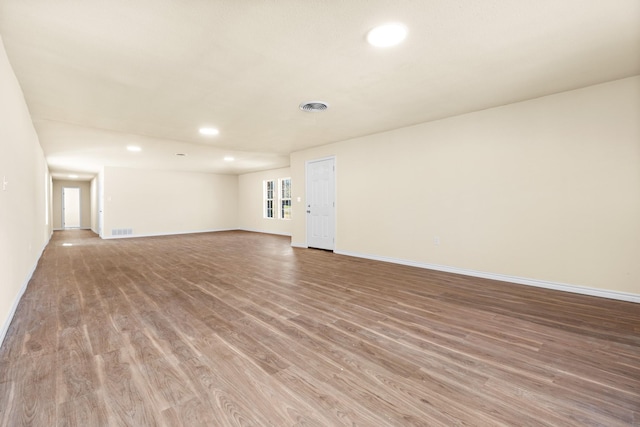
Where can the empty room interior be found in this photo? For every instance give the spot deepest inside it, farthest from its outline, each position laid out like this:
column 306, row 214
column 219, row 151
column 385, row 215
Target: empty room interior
column 324, row 213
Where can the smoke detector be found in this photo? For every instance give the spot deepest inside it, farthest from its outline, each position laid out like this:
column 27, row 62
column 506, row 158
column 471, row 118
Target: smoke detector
column 314, row 106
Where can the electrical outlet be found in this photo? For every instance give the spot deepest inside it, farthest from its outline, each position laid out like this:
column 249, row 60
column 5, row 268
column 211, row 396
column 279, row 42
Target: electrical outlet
column 436, row 241
column 4, row 183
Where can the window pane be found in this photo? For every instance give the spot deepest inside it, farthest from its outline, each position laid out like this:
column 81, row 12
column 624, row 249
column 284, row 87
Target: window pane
column 285, row 198
column 286, row 209
column 269, row 189
column 286, row 188
column 269, row 192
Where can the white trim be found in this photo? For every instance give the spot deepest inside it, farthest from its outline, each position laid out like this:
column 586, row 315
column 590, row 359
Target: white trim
column 16, row 301
column 623, row 296
column 264, row 232
column 174, row 233
column 14, row 307
column 73, row 228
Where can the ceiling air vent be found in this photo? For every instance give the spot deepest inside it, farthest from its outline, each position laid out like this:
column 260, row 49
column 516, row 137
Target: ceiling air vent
column 314, row 106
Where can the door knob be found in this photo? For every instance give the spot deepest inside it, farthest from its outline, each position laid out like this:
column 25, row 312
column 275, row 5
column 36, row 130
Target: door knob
column 308, row 211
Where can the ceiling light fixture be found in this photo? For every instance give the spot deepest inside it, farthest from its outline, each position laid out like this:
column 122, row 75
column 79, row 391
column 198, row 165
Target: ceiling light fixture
column 134, row 148
column 314, row 106
column 209, row 131
column 387, row 35
column 73, row 176
column 228, row 159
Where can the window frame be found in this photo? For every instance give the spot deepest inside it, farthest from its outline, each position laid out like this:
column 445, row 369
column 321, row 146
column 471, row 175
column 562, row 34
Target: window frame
column 268, row 211
column 282, row 199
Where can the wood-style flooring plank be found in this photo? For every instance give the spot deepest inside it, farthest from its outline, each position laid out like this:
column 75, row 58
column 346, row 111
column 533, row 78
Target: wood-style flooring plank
column 32, row 395
column 192, row 413
column 76, row 376
column 126, row 403
column 86, row 410
column 241, row 329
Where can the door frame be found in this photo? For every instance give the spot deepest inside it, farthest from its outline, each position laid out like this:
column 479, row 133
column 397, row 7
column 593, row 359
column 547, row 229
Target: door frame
column 335, row 198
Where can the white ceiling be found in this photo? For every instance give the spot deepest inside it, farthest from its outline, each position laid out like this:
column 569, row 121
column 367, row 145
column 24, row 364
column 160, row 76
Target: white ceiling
column 100, row 75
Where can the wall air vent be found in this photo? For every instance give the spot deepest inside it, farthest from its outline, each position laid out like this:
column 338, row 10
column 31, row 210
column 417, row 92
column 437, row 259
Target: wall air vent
column 122, row 232
column 314, row 106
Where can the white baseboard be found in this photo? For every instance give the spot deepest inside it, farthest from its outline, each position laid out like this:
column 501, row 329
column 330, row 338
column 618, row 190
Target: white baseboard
column 264, row 232
column 623, row 296
column 23, row 288
column 75, row 228
column 175, row 233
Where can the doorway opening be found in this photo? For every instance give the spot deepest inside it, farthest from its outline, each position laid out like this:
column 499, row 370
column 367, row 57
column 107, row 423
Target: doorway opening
column 70, row 207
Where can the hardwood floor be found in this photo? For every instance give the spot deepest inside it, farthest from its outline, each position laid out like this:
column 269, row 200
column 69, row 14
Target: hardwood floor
column 239, row 329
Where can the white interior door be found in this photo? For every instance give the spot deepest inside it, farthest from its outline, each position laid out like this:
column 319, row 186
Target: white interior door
column 100, row 203
column 70, row 207
column 321, row 193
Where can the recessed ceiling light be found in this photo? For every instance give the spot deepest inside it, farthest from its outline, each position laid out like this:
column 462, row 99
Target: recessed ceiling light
column 209, row 131
column 228, row 159
column 73, row 176
column 134, row 148
column 387, row 35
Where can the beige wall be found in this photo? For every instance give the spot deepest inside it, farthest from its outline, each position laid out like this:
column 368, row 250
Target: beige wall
column 151, row 202
column 250, row 199
column 25, row 220
column 547, row 189
column 85, row 202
